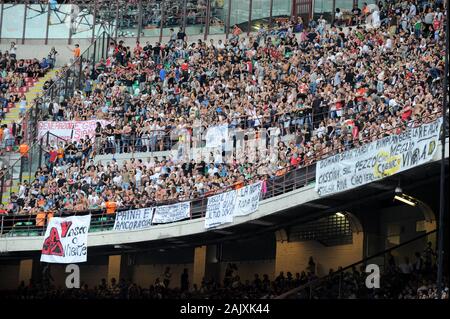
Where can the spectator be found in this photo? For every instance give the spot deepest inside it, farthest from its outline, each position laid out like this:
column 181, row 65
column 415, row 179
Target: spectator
column 13, row 50
column 311, row 266
column 167, row 276
column 184, row 282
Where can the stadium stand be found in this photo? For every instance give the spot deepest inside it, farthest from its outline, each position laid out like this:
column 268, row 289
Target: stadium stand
column 304, row 88
column 322, row 89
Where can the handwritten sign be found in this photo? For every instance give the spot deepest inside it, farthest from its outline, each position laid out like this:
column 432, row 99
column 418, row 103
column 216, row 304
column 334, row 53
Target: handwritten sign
column 65, row 240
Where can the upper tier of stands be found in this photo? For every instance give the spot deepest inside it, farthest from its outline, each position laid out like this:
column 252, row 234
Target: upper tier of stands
column 329, row 89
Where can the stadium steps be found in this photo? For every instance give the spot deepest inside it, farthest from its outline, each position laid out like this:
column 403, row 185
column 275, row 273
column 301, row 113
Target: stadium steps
column 12, row 185
column 7, row 190
column 14, row 113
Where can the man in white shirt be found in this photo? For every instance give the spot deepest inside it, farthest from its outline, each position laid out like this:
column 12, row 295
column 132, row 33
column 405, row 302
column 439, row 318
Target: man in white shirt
column 117, row 180
column 93, row 199
column 138, row 177
column 376, row 23
column 220, row 45
column 13, row 50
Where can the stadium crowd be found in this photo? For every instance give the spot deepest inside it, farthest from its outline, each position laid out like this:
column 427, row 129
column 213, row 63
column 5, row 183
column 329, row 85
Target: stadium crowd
column 406, row 280
column 16, row 76
column 329, row 88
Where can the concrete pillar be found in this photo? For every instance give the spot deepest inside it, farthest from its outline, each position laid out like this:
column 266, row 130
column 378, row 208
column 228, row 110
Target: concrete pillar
column 114, row 265
column 199, row 265
column 212, row 267
column 25, row 270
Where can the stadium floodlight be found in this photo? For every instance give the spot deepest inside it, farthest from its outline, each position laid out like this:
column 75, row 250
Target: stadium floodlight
column 405, row 199
column 340, row 214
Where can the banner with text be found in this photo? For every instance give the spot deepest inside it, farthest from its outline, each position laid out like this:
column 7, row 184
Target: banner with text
column 247, row 199
column 70, row 130
column 172, row 213
column 133, row 219
column 65, row 240
column 219, row 209
column 378, row 159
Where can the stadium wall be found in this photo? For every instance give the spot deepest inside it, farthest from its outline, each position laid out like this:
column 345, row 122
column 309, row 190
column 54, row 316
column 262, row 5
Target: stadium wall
column 9, row 274
column 294, row 256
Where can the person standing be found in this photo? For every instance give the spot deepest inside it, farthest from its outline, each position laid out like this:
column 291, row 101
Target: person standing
column 23, row 105
column 13, row 50
column 311, row 266
column 181, row 36
column 23, row 150
column 184, row 280
column 52, row 57
column 167, row 276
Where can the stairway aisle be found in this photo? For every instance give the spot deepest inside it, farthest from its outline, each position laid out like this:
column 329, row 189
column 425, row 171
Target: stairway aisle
column 33, row 92
column 12, row 158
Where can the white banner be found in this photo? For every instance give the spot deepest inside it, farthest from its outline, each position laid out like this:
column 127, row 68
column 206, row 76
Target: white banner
column 215, row 135
column 378, row 159
column 247, row 199
column 65, row 240
column 219, row 209
column 133, row 219
column 70, row 130
column 172, row 213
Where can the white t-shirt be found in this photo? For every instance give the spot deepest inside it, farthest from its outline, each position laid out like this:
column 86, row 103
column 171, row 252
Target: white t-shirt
column 138, row 175
column 376, row 19
column 412, row 10
column 22, row 191
column 93, row 199
column 117, row 180
column 389, row 44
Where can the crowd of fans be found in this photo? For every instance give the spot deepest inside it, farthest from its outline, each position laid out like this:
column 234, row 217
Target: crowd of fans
column 402, row 279
column 329, row 88
column 406, row 280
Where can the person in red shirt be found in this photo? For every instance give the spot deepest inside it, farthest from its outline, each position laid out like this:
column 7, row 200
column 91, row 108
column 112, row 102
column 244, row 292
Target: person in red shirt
column 185, row 70
column 53, row 153
column 185, row 66
column 406, row 114
column 295, row 160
